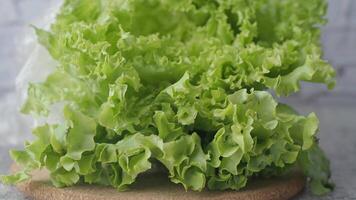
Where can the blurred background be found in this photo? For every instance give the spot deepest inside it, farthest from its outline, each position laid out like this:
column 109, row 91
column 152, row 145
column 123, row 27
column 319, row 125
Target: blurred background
column 336, row 109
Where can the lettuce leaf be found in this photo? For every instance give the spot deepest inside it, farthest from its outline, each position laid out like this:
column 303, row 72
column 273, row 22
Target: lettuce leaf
column 184, row 83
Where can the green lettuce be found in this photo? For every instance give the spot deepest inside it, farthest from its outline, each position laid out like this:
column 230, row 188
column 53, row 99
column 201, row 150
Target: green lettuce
column 184, row 83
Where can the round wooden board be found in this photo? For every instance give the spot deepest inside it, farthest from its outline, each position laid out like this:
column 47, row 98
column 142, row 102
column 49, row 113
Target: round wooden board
column 158, row 187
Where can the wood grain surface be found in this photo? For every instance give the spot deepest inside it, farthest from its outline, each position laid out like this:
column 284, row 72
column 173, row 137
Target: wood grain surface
column 158, row 187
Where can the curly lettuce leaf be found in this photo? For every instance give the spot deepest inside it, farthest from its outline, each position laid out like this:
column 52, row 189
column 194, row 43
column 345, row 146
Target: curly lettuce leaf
column 317, row 167
column 185, row 83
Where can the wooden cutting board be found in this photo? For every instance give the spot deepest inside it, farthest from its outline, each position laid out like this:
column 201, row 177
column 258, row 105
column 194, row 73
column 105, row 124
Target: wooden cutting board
column 158, row 187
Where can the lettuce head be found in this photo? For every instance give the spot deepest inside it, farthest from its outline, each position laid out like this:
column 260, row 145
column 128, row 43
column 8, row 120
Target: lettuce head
column 184, row 83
